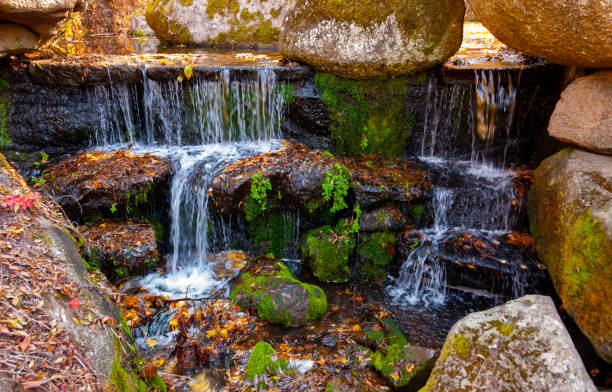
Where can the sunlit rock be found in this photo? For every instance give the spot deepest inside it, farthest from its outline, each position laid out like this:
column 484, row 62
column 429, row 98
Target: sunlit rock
column 566, row 32
column 583, row 116
column 362, row 40
column 228, row 264
column 521, row 345
column 570, row 213
column 15, row 38
column 218, row 23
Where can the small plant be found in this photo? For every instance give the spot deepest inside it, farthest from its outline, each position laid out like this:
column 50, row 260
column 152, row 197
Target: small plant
column 113, row 209
column 44, row 158
column 17, row 202
column 259, row 189
column 369, row 164
column 364, row 139
column 327, row 154
column 335, row 187
column 38, row 181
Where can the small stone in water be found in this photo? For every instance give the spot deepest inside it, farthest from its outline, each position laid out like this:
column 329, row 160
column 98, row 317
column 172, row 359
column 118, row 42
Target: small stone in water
column 329, row 340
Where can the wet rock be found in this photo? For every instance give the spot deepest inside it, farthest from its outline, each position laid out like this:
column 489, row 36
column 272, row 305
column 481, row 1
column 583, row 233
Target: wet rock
column 329, row 340
column 570, row 212
column 521, row 345
column 15, row 38
column 256, row 23
column 583, row 115
column 298, row 173
column 120, row 248
column 565, row 32
column 264, row 359
column 375, row 252
column 382, row 219
column 269, row 289
column 228, row 264
column 139, row 26
column 106, row 182
column 390, row 37
column 327, row 251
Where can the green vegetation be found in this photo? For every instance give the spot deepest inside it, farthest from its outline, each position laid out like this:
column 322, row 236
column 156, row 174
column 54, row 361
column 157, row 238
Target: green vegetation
column 375, row 253
column 328, row 252
column 367, row 116
column 287, row 91
column 255, row 202
column 5, row 137
column 272, row 232
column 262, row 361
column 335, row 187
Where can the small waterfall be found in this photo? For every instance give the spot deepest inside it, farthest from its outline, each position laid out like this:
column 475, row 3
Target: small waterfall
column 116, row 109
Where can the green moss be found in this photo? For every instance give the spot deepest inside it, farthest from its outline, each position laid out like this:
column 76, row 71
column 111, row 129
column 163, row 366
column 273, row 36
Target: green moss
column 262, row 360
column 396, row 336
column 422, row 78
column 5, row 137
column 287, row 91
column 166, row 29
column 372, row 110
column 503, row 328
column 317, row 304
column 272, row 232
column 327, row 252
column 246, row 27
column 461, row 347
column 222, row 7
column 376, row 252
column 329, row 387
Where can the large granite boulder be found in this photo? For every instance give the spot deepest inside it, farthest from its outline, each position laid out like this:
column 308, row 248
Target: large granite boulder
column 519, row 346
column 566, row 32
column 360, row 40
column 570, row 213
column 583, row 116
column 15, row 38
column 219, row 23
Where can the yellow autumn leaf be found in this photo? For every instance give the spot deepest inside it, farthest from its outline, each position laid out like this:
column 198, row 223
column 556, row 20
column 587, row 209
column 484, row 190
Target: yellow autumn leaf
column 211, row 333
column 151, row 342
column 224, row 333
column 188, row 72
column 174, row 324
column 158, row 362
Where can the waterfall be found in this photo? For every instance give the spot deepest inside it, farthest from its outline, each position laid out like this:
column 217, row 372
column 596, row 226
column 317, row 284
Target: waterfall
column 201, row 126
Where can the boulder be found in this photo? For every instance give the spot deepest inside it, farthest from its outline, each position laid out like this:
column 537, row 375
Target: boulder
column 15, row 38
column 43, row 17
column 139, row 27
column 570, row 212
column 269, row 289
column 521, row 345
column 296, row 175
column 382, row 219
column 566, row 32
column 120, row 248
column 383, row 38
column 583, row 116
column 219, row 23
column 94, row 182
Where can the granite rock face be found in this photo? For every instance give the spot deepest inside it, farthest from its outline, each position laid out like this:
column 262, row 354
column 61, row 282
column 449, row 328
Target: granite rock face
column 357, row 39
column 521, row 345
column 583, row 116
column 566, row 32
column 570, row 211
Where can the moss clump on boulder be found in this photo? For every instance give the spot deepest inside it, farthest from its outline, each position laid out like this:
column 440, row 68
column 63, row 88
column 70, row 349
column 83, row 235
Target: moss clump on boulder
column 269, row 288
column 327, row 252
column 264, row 359
column 570, row 210
column 365, row 39
column 375, row 252
column 271, row 232
column 367, row 116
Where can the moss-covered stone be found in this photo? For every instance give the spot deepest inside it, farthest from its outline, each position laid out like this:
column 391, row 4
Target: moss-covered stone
column 5, row 137
column 327, row 252
column 269, row 288
column 272, row 232
column 264, row 359
column 367, row 116
column 375, row 252
column 364, row 39
column 570, row 211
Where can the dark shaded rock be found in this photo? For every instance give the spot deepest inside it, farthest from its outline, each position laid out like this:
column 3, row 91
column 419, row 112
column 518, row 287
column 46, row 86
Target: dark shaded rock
column 98, row 181
column 382, row 219
column 51, row 73
column 298, row 174
column 358, row 40
column 583, row 116
column 522, row 345
column 120, row 248
column 570, row 210
column 269, row 288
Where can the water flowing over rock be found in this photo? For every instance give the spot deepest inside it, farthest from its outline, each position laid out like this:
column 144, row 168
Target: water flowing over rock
column 570, row 212
column 106, row 181
column 230, row 23
column 362, row 40
column 521, row 345
column 583, row 116
column 566, row 32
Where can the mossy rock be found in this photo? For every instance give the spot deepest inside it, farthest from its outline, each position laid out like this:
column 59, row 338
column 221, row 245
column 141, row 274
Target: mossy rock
column 269, row 288
column 519, row 346
column 272, row 232
column 364, row 39
column 217, row 22
column 382, row 219
column 264, row 359
column 327, row 252
column 375, row 252
column 570, row 210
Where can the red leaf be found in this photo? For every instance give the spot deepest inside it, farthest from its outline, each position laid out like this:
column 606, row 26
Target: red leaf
column 74, row 303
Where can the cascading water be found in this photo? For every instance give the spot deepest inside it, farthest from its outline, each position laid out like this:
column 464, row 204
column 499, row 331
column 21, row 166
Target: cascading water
column 201, row 126
column 470, row 195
